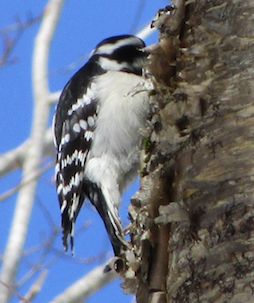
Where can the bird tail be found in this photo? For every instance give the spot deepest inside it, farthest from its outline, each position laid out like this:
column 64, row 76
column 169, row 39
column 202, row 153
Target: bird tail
column 109, row 215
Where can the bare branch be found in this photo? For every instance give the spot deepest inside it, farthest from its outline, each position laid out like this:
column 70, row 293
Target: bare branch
column 13, row 292
column 145, row 32
column 15, row 158
column 13, row 252
column 54, row 97
column 86, row 286
column 15, row 189
column 36, row 287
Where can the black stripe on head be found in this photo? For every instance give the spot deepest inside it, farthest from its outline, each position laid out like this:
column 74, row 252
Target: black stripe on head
column 121, row 53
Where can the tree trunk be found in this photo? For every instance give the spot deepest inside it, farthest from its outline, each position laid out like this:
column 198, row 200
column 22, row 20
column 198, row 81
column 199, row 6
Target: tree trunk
column 192, row 220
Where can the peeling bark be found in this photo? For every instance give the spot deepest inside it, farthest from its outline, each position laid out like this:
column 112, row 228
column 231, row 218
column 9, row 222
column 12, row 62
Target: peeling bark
column 192, row 221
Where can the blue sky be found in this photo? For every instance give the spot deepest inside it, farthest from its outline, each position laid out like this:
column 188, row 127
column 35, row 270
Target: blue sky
column 83, row 24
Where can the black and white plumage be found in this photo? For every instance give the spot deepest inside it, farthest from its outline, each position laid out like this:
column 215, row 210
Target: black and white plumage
column 96, row 127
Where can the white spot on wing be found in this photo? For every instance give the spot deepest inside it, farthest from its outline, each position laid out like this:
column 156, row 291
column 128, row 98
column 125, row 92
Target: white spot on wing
column 86, row 99
column 83, row 124
column 76, row 127
column 79, row 103
column 63, row 206
column 72, row 210
column 57, row 168
column 88, row 135
column 59, row 188
column 89, row 95
column 65, row 139
column 90, row 121
column 66, row 189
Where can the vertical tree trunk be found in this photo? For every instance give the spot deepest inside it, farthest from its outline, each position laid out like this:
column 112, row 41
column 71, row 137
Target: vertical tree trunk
column 192, row 229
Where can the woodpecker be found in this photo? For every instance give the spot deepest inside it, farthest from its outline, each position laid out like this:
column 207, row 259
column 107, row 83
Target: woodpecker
column 96, row 131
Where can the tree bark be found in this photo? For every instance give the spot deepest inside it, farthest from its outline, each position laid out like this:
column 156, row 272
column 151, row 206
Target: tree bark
column 192, row 220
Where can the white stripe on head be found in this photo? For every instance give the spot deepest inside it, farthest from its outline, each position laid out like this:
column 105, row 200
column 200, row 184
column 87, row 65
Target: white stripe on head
column 109, row 48
column 109, row 64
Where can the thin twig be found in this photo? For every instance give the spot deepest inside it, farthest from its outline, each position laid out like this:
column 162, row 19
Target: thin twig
column 15, row 158
column 15, row 189
column 36, row 287
column 10, row 43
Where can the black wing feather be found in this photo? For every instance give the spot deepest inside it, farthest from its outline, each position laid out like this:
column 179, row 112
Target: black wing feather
column 73, row 146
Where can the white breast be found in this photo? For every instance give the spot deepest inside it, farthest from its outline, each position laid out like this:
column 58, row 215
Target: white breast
column 122, row 113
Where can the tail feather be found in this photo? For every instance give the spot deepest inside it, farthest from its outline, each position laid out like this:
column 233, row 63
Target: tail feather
column 110, row 217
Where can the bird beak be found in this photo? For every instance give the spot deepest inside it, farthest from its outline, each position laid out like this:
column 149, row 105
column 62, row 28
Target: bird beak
column 149, row 49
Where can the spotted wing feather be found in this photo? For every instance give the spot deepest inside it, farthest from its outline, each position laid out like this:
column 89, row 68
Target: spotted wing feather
column 78, row 109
